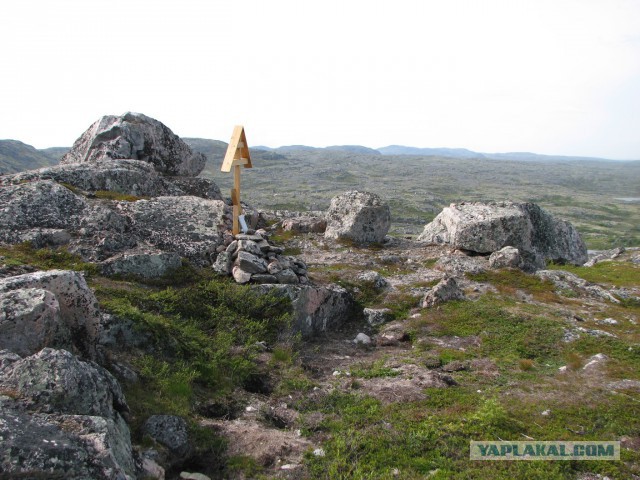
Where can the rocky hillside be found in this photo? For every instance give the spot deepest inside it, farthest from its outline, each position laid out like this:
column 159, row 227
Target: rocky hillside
column 16, row 156
column 140, row 339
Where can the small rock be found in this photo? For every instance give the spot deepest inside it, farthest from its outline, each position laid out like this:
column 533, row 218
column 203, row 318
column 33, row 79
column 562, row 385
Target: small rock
column 193, row 476
column 319, row 452
column 444, row 291
column 362, row 338
column 506, row 257
column 546, row 413
column 170, row 431
column 377, row 316
column 595, row 361
column 240, row 276
column 373, row 277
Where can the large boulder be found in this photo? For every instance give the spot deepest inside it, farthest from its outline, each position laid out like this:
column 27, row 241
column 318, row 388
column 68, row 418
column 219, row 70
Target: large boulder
column 130, row 177
column 316, row 309
column 488, row 227
column 138, row 137
column 56, row 381
column 78, row 308
column 190, row 226
column 30, row 320
column 63, row 419
column 358, row 216
column 30, row 210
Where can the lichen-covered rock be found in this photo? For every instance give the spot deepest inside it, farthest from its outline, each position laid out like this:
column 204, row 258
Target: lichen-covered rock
column 28, row 208
column 305, row 224
column 373, row 278
column 358, row 216
column 567, row 282
column 131, row 177
column 316, row 309
column 189, row 226
column 488, row 227
column 56, row 381
column 73, row 447
column 138, row 137
column 445, row 291
column 377, row 316
column 78, row 306
column 30, row 320
column 170, row 431
column 144, row 264
column 507, row 257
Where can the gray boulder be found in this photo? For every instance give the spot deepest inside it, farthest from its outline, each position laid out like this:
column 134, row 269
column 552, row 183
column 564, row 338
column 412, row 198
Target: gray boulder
column 74, row 447
column 78, row 308
column 138, row 137
column 305, row 224
column 28, row 209
column 189, row 226
column 170, row 431
column 488, row 227
column 445, row 291
column 377, row 316
column 358, row 216
column 507, row 257
column 132, row 177
column 65, row 422
column 30, row 320
column 56, row 381
column 142, row 263
column 316, row 309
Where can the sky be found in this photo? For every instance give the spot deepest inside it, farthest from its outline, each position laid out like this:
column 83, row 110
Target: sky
column 546, row 76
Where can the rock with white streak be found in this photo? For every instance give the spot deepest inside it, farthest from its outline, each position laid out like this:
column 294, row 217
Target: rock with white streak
column 138, row 137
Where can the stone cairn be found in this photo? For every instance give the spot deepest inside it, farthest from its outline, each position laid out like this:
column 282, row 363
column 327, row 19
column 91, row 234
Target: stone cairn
column 251, row 258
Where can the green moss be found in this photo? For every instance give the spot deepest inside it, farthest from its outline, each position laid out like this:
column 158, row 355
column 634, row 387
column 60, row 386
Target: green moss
column 45, row 258
column 621, row 274
column 123, row 197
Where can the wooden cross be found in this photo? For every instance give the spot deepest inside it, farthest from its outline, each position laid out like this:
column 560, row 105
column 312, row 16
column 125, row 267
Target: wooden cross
column 237, row 155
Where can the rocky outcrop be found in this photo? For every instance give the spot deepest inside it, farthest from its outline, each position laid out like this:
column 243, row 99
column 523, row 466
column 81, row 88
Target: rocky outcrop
column 38, row 210
column 143, row 263
column 56, row 307
column 30, row 321
column 189, row 226
column 569, row 283
column 317, row 309
column 131, row 177
column 488, row 227
column 138, row 137
column 63, row 420
column 251, row 258
column 445, row 291
column 361, row 217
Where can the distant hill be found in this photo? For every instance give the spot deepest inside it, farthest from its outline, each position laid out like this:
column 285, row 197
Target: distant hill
column 464, row 153
column 429, row 152
column 215, row 150
column 16, row 156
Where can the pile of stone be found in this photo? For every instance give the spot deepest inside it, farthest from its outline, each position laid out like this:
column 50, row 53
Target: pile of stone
column 251, row 258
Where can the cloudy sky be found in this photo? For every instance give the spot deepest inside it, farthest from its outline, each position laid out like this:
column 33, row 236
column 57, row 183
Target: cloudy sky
column 548, row 76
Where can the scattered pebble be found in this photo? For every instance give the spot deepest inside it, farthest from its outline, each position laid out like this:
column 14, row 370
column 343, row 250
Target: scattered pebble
column 319, row 452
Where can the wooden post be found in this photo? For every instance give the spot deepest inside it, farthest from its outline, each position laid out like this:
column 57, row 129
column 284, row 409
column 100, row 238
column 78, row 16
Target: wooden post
column 237, row 155
column 235, row 197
